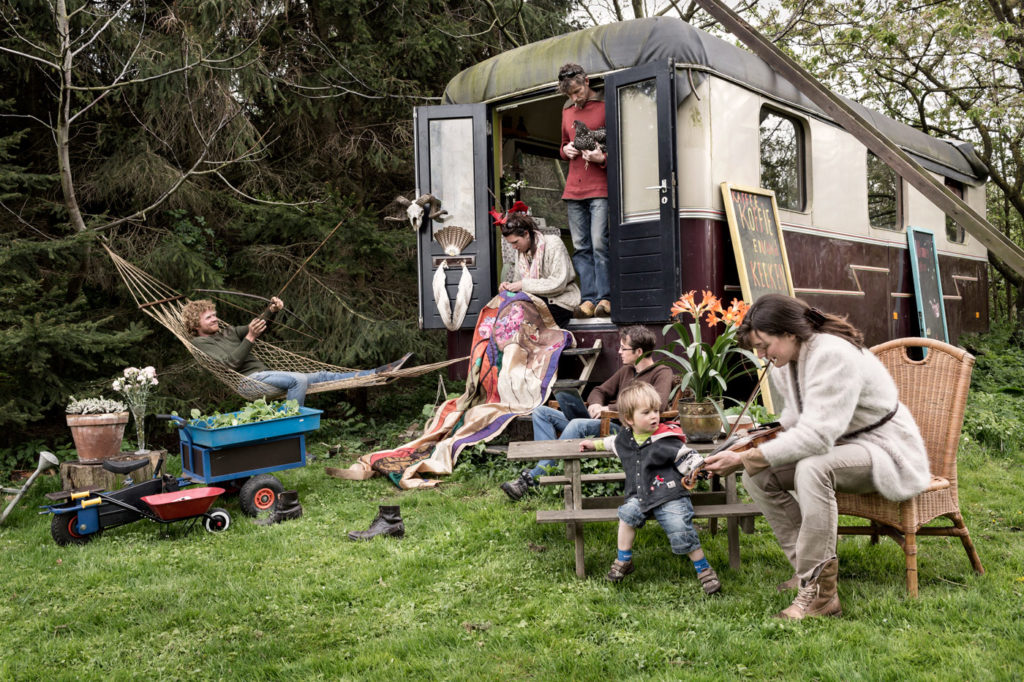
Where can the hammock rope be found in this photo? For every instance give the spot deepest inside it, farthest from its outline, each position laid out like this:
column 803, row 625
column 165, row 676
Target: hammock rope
column 164, row 304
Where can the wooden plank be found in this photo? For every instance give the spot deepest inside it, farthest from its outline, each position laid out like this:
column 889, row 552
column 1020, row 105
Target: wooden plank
column 609, row 477
column 975, row 224
column 531, row 450
column 706, row 511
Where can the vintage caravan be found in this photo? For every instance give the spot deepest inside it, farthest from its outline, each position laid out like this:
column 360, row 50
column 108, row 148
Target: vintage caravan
column 686, row 112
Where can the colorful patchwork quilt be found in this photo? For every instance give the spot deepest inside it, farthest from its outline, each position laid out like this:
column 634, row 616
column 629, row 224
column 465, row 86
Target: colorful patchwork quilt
column 512, row 367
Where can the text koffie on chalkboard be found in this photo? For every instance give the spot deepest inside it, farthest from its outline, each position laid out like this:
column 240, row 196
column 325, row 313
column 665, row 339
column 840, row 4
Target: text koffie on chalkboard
column 757, row 241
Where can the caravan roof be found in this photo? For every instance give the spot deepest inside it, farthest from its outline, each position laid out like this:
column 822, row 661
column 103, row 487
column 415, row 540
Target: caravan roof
column 612, row 47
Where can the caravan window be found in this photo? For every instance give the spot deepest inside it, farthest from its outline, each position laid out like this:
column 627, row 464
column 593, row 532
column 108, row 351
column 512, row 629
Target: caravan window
column 782, row 158
column 638, row 114
column 955, row 232
column 451, row 170
column 885, row 200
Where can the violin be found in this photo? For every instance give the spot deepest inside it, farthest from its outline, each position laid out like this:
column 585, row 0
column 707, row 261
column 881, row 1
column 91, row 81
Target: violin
column 740, row 443
column 691, row 467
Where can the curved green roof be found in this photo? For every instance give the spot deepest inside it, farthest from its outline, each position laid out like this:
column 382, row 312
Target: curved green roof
column 612, row 47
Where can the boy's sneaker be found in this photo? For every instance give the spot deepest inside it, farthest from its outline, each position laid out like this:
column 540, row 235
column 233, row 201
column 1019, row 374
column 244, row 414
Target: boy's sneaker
column 709, row 581
column 518, row 487
column 619, row 570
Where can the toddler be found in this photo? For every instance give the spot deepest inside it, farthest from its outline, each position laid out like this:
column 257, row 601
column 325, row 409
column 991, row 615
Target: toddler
column 647, row 450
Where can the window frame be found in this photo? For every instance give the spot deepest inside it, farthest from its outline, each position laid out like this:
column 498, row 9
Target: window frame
column 801, row 155
column 959, row 189
column 900, row 227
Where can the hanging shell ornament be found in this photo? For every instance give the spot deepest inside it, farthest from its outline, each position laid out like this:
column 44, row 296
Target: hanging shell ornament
column 453, row 239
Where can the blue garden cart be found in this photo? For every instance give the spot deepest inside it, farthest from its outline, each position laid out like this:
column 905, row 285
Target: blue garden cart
column 242, row 457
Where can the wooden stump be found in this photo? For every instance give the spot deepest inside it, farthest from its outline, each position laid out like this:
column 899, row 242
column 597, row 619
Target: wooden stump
column 81, row 475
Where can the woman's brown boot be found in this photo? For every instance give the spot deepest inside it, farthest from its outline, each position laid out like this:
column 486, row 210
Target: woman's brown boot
column 817, row 597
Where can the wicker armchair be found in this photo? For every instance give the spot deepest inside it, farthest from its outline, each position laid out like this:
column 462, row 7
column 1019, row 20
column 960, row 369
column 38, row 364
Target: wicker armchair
column 935, row 390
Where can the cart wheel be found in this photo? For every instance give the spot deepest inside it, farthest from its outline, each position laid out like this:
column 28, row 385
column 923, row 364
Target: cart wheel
column 259, row 494
column 64, row 530
column 218, row 520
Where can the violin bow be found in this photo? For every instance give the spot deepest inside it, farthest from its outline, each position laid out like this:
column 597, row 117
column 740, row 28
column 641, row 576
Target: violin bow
column 753, row 394
column 690, row 479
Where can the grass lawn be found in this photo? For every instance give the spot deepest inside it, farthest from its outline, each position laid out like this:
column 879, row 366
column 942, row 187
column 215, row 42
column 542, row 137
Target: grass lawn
column 477, row 590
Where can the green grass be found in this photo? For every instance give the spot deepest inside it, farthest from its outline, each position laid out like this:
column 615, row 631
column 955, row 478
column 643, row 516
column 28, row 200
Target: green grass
column 477, row 590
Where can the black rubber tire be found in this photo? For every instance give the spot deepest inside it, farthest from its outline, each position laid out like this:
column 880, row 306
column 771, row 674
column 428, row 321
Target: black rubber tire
column 62, row 530
column 217, row 521
column 259, row 494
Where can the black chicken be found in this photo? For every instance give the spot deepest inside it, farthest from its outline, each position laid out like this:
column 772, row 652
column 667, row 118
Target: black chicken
column 587, row 139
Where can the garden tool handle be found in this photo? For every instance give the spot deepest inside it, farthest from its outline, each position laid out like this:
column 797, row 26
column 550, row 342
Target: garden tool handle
column 178, row 421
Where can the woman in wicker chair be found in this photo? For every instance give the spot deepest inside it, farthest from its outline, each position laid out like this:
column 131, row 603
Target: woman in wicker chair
column 844, row 430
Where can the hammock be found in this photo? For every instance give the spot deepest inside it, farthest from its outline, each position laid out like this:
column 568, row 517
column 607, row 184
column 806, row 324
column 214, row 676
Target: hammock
column 164, row 305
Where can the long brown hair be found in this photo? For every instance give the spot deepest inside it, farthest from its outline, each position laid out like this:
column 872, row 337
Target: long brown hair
column 521, row 225
column 777, row 314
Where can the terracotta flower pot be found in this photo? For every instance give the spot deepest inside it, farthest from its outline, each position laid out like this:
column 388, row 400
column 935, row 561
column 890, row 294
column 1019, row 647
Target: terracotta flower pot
column 97, row 436
column 699, row 421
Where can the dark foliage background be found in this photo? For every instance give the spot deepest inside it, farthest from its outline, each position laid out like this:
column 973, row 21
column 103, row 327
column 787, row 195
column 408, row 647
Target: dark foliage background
column 312, row 101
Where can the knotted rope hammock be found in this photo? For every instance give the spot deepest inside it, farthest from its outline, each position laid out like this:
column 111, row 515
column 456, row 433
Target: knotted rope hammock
column 164, row 305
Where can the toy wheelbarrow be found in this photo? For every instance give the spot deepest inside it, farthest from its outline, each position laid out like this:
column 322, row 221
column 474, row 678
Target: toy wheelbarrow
column 162, row 499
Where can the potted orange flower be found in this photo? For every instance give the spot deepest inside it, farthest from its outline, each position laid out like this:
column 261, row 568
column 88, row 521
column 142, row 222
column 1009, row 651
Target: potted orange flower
column 705, row 367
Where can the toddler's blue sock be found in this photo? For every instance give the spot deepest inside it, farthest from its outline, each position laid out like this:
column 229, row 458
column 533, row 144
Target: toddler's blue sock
column 625, row 555
column 701, row 564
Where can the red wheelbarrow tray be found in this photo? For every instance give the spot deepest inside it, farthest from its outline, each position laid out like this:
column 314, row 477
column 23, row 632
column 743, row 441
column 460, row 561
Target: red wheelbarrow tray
column 182, row 504
column 308, row 419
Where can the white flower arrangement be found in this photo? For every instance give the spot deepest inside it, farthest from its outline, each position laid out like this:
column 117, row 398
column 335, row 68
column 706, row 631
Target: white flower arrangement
column 136, row 384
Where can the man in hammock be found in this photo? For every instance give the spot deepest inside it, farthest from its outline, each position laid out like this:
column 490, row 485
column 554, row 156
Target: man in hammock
column 233, row 345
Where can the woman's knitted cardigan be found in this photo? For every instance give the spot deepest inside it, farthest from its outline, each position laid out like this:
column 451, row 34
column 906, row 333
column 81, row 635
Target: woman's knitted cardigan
column 834, row 388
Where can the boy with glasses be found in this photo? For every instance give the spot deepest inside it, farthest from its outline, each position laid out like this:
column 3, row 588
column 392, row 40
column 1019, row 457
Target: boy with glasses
column 574, row 419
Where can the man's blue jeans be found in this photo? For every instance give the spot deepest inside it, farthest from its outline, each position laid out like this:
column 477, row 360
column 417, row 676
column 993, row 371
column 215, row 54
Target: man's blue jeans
column 588, row 224
column 295, row 384
column 572, row 419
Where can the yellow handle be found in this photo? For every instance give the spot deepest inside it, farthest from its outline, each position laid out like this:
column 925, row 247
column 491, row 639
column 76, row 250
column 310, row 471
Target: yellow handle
column 80, row 495
column 92, row 503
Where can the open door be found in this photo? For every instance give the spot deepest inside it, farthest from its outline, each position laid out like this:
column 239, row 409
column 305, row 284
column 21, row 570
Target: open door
column 640, row 110
column 452, row 164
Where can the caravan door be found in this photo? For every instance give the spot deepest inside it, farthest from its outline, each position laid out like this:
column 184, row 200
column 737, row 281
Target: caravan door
column 452, row 164
column 640, row 110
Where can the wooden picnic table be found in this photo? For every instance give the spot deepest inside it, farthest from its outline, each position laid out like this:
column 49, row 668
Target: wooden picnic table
column 722, row 501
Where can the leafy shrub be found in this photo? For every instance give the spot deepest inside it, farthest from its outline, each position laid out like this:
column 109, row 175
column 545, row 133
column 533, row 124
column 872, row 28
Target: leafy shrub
column 995, row 420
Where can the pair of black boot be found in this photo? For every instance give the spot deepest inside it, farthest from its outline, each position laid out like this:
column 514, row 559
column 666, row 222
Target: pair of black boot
column 387, row 522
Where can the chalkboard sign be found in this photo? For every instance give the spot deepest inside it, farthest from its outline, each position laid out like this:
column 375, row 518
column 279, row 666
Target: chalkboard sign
column 760, row 252
column 757, row 241
column 924, row 264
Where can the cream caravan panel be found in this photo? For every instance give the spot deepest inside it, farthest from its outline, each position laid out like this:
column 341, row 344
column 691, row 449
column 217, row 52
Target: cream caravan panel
column 735, row 137
column 839, row 180
column 697, row 189
column 919, row 211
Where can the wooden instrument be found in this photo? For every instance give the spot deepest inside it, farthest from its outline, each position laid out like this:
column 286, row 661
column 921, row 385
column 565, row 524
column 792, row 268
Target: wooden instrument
column 751, row 439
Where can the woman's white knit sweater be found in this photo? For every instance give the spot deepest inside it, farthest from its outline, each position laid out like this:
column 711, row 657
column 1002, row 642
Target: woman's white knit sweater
column 557, row 277
column 834, row 388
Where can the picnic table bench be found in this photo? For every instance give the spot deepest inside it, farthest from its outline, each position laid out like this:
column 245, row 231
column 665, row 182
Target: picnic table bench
column 722, row 501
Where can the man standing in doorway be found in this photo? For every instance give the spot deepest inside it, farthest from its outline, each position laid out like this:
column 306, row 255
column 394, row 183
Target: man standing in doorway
column 586, row 191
